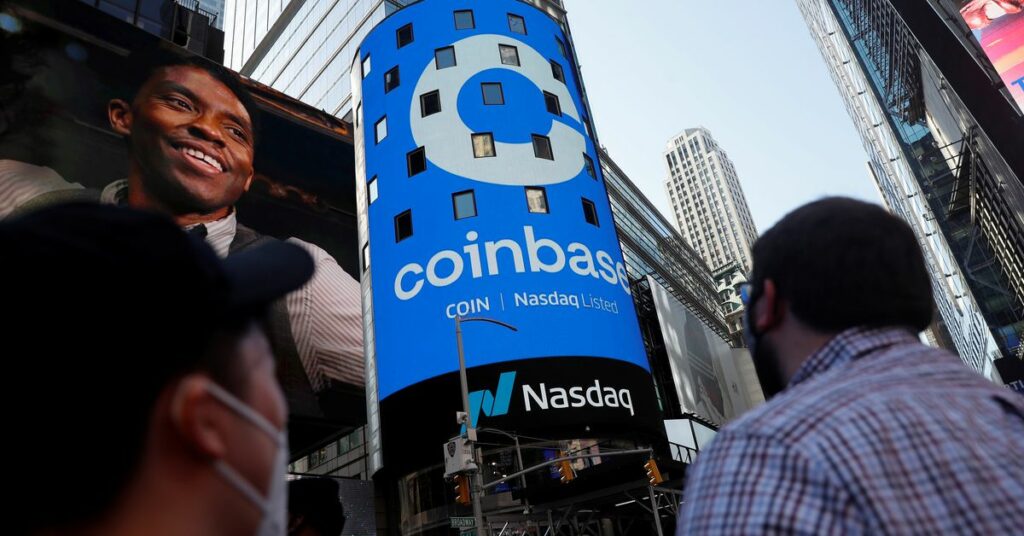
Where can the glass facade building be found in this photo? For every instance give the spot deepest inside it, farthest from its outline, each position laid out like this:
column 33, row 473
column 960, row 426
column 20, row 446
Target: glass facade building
column 302, row 48
column 936, row 167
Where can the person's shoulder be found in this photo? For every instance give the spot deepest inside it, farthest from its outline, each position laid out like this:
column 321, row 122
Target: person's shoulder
column 911, row 383
column 873, row 387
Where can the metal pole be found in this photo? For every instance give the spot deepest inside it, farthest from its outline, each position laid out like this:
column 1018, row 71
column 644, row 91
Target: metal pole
column 476, row 490
column 522, row 479
column 478, row 480
column 478, row 494
column 654, row 507
column 470, row 431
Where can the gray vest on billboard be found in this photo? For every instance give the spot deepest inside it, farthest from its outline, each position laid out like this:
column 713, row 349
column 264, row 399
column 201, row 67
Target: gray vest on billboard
column 49, row 199
column 294, row 381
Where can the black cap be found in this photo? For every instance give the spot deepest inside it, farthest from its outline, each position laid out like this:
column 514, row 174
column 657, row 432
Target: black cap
column 123, row 280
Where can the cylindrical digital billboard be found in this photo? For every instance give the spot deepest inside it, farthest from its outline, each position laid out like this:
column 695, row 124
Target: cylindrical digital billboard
column 481, row 195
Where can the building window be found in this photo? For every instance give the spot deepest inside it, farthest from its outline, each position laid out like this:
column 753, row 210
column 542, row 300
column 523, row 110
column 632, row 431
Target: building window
column 391, row 79
column 492, row 93
column 404, row 35
column 556, row 71
column 464, row 20
column 371, row 190
column 366, row 65
column 509, row 55
column 430, row 103
column 516, row 24
column 380, row 129
column 483, row 145
column 590, row 212
column 542, row 147
column 589, row 164
column 464, row 204
column 416, row 161
column 551, row 102
column 403, row 226
column 536, row 200
column 561, row 47
column 444, row 57
column 366, row 256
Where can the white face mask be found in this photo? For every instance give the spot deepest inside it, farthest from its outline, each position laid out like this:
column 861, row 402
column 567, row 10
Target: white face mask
column 274, row 506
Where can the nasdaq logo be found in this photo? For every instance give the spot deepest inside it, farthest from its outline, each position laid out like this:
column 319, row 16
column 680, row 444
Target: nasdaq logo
column 543, row 397
column 491, row 404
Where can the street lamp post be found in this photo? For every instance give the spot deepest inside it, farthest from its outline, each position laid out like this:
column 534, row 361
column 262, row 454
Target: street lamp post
column 477, row 495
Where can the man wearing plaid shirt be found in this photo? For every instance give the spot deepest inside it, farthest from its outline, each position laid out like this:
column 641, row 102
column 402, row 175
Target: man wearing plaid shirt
column 871, row 432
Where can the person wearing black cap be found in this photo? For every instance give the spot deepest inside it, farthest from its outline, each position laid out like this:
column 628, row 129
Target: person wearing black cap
column 155, row 408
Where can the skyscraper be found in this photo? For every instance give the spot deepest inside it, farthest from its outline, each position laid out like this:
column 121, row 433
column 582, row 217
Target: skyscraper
column 301, row 48
column 943, row 136
column 707, row 199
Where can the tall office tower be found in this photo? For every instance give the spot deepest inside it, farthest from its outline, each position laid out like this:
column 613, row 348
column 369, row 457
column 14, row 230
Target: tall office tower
column 707, row 199
column 934, row 89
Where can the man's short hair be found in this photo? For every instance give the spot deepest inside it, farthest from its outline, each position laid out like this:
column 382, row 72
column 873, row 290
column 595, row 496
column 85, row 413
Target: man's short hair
column 842, row 263
column 316, row 500
column 143, row 64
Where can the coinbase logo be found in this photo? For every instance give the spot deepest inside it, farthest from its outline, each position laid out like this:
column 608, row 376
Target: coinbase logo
column 515, row 163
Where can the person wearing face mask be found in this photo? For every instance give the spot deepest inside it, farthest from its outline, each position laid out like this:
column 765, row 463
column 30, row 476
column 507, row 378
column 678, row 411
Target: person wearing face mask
column 149, row 391
column 866, row 430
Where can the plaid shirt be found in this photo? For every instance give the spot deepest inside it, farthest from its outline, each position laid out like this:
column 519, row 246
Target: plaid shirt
column 875, row 434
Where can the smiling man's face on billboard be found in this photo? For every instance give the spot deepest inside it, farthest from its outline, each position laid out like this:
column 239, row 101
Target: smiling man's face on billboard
column 190, row 139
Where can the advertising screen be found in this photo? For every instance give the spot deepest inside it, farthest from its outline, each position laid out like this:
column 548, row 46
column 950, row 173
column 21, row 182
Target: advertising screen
column 999, row 26
column 104, row 113
column 483, row 197
column 711, row 379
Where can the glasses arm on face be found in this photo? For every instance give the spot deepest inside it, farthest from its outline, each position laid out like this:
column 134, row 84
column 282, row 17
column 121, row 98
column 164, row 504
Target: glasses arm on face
column 746, row 289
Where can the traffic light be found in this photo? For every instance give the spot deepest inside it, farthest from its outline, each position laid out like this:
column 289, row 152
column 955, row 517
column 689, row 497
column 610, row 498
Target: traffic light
column 653, row 474
column 462, row 490
column 565, row 469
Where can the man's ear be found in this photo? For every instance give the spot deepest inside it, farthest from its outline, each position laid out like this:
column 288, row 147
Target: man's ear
column 198, row 418
column 768, row 311
column 119, row 112
column 248, row 181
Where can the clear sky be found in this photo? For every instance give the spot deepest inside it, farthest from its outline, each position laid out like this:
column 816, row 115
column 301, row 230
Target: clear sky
column 747, row 70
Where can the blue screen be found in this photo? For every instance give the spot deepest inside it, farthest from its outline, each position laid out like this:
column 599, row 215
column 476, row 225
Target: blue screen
column 552, row 274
